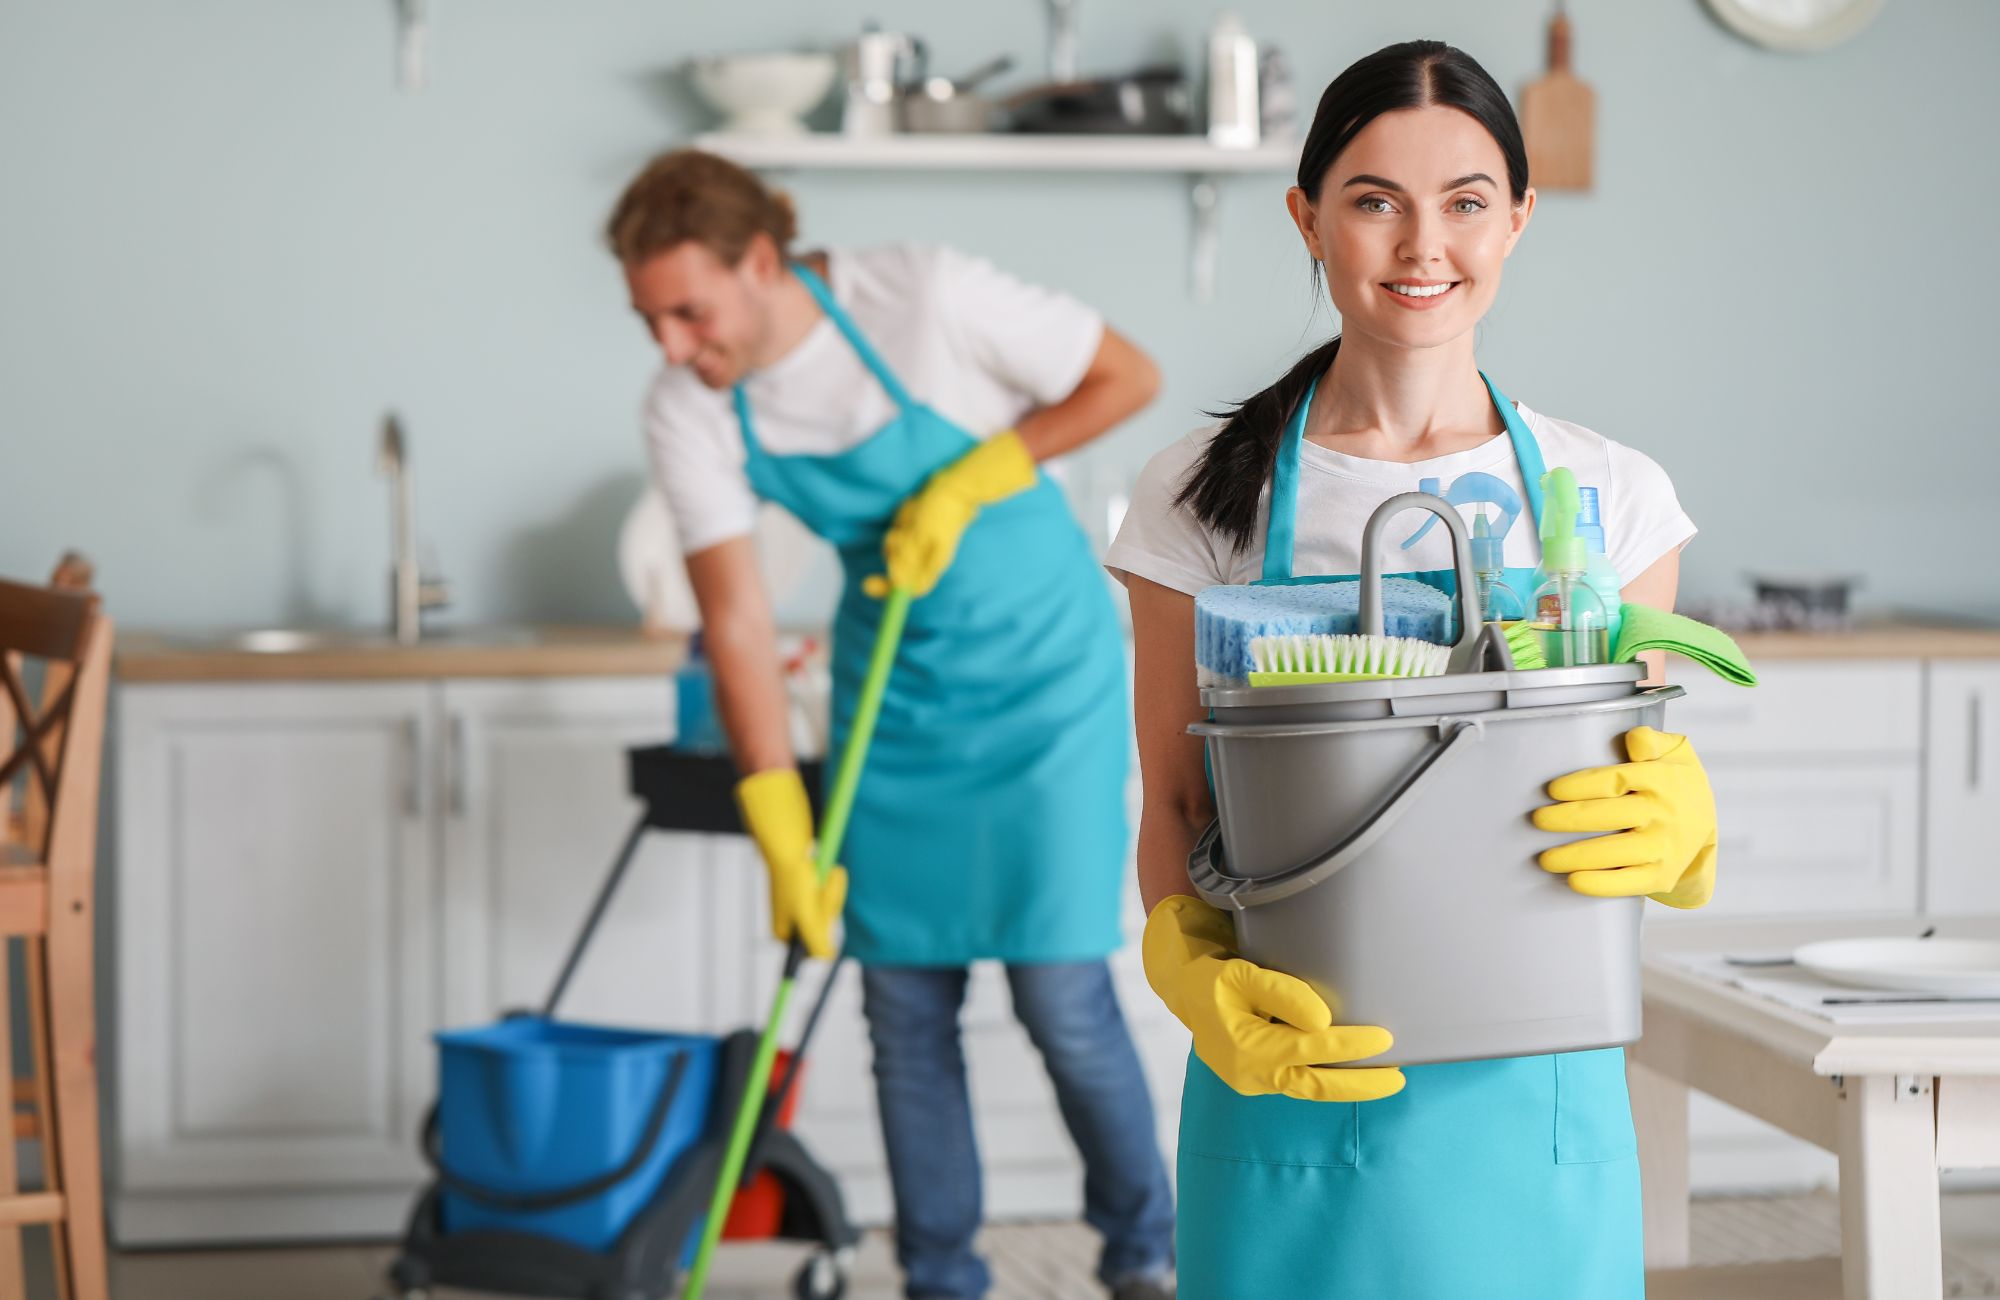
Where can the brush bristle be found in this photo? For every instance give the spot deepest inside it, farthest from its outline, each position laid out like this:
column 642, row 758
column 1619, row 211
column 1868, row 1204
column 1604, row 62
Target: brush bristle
column 1387, row 656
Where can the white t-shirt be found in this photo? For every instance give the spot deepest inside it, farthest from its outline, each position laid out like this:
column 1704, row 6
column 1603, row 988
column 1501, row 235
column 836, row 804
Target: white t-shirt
column 1165, row 543
column 974, row 343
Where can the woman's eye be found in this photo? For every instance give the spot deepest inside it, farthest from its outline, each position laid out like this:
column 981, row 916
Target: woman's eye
column 1466, row 207
column 1375, row 203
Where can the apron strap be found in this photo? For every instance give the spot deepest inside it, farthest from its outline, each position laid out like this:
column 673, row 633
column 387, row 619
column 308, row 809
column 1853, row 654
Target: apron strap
column 855, row 339
column 1527, row 452
column 1281, row 527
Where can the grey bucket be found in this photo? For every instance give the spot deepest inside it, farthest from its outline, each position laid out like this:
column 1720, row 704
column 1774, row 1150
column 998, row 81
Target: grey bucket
column 1373, row 838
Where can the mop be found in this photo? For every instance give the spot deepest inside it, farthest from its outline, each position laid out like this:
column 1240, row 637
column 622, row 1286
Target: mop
column 839, row 805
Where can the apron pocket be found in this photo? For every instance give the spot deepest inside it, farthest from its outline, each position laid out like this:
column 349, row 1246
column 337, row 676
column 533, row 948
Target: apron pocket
column 1593, row 1108
column 1219, row 1123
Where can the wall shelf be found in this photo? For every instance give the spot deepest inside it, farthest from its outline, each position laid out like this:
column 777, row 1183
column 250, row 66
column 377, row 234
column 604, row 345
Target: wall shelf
column 1202, row 163
column 826, row 150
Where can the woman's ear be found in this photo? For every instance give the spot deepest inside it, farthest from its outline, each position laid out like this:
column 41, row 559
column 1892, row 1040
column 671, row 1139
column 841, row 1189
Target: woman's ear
column 1306, row 217
column 1518, row 220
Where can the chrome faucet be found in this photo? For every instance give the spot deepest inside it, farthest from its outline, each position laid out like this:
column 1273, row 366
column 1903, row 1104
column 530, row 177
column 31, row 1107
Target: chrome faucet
column 410, row 593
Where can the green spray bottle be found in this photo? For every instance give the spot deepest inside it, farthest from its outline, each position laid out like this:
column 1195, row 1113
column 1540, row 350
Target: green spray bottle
column 1568, row 616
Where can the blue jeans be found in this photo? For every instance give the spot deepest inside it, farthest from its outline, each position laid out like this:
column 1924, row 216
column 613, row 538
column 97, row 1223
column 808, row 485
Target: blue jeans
column 1071, row 1014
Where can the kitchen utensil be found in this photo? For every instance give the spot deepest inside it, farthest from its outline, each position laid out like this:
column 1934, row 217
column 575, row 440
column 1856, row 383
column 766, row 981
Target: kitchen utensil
column 1558, row 114
column 1804, row 600
column 1234, row 120
column 944, row 105
column 1150, row 101
column 763, row 94
column 1894, row 1002
column 878, row 66
column 1956, row 967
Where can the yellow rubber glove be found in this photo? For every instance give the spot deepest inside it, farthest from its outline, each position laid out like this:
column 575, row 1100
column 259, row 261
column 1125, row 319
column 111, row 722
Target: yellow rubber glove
column 779, row 818
column 1228, row 1004
column 924, row 537
column 1661, row 806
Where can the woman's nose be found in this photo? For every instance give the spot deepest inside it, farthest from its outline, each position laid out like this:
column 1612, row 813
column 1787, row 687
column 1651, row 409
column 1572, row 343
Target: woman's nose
column 1423, row 238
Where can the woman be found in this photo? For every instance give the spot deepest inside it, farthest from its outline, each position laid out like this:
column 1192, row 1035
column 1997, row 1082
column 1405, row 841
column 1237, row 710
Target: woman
column 1509, row 1178
column 919, row 386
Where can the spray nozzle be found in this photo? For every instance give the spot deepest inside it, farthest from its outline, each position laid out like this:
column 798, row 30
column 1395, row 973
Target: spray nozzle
column 1486, row 548
column 1563, row 551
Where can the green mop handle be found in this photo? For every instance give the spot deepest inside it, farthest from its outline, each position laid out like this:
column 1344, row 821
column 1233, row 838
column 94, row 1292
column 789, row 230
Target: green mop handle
column 846, row 778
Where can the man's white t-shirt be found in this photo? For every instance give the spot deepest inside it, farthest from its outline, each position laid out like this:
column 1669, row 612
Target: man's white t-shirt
column 972, row 342
column 1165, row 543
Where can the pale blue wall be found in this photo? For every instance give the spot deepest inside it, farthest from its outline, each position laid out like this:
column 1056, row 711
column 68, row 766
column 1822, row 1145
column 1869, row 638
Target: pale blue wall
column 227, row 243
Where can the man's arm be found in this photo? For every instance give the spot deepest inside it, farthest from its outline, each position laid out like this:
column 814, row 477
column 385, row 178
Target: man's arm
column 1121, row 379
column 742, row 642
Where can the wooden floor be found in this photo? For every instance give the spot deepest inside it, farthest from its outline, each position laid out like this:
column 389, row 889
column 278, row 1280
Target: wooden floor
column 1745, row 1248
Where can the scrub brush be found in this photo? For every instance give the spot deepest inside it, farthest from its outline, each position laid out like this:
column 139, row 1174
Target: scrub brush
column 1372, row 655
column 1523, row 645
column 1301, row 660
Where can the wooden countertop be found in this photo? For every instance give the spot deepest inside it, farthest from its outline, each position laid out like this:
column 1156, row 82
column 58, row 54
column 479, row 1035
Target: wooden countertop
column 554, row 651
column 578, row 651
column 1875, row 641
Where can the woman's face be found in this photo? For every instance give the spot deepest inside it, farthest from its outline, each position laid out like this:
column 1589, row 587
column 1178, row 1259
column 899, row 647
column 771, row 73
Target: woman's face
column 1412, row 223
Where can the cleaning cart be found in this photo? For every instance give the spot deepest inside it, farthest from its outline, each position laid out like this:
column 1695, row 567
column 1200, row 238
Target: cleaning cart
column 578, row 1161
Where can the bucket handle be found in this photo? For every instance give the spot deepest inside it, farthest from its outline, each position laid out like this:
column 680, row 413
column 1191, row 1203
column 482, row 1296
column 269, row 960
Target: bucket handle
column 1243, row 892
column 1464, row 651
column 555, row 1198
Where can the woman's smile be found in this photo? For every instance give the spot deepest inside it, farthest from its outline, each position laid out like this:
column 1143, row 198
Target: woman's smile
column 1420, row 295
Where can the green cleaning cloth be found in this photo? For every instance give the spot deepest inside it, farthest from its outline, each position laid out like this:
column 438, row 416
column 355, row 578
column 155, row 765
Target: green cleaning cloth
column 1646, row 628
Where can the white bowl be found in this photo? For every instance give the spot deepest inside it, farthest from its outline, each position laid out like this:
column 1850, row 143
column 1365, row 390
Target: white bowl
column 764, row 94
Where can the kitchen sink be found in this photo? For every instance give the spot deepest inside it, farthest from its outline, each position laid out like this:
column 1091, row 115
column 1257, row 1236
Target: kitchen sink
column 303, row 640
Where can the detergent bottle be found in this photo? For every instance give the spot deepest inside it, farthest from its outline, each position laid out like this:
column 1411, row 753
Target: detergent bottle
column 1568, row 616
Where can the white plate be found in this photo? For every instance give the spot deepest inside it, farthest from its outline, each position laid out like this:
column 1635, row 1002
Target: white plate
column 801, row 572
column 1967, row 967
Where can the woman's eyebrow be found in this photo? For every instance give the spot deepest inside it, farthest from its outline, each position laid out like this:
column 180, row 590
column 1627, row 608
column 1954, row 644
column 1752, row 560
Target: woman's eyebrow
column 1384, row 183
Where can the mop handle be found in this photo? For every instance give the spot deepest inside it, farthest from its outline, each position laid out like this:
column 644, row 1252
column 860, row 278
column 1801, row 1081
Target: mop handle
column 846, row 778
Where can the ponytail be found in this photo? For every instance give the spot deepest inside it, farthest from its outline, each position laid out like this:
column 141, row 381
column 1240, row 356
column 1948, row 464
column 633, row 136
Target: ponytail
column 1223, row 487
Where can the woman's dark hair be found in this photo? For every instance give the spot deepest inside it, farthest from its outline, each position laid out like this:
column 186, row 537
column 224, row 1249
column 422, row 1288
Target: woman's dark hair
column 1223, row 487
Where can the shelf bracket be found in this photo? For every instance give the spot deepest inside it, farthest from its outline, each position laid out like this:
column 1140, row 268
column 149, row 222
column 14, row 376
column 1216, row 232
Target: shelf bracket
column 1204, row 196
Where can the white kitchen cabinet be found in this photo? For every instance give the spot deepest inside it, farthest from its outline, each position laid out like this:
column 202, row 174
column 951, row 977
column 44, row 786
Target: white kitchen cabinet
column 1818, row 776
column 1962, row 787
column 276, row 955
column 534, row 812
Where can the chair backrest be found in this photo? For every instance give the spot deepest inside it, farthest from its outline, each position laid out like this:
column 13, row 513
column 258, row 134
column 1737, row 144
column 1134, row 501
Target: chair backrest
column 51, row 747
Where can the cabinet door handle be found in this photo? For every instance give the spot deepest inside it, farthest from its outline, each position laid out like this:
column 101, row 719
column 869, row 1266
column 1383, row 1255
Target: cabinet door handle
column 455, row 764
column 1972, row 741
column 413, row 791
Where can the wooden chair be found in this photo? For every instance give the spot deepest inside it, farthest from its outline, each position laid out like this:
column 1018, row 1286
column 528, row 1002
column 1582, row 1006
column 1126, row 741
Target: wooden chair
column 51, row 757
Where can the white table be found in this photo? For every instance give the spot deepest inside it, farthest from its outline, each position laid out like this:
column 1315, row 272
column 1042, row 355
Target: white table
column 1895, row 1102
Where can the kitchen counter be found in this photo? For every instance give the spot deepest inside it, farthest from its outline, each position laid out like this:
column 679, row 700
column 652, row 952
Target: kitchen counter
column 580, row 651
column 1875, row 641
column 552, row 651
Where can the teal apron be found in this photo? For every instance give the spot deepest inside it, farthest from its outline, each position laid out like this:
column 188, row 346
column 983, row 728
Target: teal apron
column 990, row 819
column 1481, row 1180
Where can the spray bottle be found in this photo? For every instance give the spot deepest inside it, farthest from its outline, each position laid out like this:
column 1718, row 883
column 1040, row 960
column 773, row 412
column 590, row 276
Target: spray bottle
column 1598, row 572
column 1498, row 602
column 1569, row 616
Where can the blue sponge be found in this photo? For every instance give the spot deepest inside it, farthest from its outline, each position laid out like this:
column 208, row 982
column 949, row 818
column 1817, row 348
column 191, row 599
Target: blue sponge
column 1226, row 618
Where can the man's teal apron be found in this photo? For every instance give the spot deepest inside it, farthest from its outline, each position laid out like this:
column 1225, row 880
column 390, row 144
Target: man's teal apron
column 1481, row 1180
column 990, row 819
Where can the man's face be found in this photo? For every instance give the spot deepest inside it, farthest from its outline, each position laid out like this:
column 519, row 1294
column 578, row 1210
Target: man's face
column 703, row 313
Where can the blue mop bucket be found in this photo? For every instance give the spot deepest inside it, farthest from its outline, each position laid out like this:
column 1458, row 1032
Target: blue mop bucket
column 563, row 1130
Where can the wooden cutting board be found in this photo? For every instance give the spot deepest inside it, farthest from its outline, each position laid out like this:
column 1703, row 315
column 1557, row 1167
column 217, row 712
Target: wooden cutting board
column 1558, row 117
